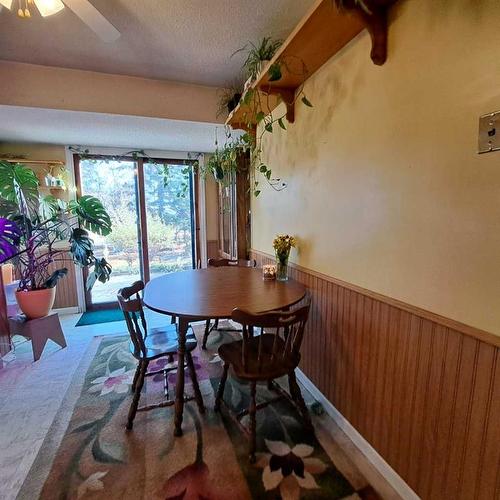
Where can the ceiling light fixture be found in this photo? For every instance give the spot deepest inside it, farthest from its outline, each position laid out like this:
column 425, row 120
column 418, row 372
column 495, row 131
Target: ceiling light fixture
column 81, row 8
column 45, row 7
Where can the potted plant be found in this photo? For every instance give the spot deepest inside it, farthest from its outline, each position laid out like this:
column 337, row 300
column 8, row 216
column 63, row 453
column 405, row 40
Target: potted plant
column 228, row 100
column 31, row 229
column 257, row 56
column 224, row 161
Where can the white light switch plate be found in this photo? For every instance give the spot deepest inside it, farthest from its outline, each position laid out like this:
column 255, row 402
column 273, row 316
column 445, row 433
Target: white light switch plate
column 489, row 133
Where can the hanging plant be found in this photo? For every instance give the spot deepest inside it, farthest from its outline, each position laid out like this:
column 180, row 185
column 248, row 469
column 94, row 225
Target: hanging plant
column 260, row 119
column 223, row 163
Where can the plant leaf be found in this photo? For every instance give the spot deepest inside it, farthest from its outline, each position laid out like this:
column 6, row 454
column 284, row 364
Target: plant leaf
column 306, row 101
column 281, row 124
column 50, row 206
column 248, row 96
column 269, row 127
column 274, row 72
column 256, row 193
column 10, row 235
column 81, row 247
column 260, row 116
column 102, row 272
column 92, row 214
column 55, row 277
column 19, row 184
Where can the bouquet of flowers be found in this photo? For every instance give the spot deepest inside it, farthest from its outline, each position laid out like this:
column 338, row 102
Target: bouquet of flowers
column 282, row 245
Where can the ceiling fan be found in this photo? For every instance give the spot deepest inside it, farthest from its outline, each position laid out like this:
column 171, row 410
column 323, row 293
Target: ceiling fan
column 82, row 8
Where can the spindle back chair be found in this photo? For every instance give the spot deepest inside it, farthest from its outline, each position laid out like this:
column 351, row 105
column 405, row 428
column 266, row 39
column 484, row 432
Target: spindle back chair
column 269, row 349
column 147, row 346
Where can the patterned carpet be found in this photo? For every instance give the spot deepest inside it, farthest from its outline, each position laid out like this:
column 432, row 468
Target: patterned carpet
column 88, row 453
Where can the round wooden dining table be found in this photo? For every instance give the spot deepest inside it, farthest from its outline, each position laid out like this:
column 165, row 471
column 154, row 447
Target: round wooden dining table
column 213, row 293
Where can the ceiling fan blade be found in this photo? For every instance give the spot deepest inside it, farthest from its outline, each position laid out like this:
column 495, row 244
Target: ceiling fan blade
column 48, row 7
column 6, row 3
column 93, row 19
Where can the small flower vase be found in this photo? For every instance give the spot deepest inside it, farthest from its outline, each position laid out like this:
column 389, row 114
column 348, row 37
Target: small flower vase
column 282, row 266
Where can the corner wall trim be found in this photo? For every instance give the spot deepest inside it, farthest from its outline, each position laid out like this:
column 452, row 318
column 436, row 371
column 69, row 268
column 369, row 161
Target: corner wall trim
column 359, row 441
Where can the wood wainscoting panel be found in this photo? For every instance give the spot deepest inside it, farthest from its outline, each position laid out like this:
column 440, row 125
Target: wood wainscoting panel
column 66, row 293
column 212, row 249
column 422, row 389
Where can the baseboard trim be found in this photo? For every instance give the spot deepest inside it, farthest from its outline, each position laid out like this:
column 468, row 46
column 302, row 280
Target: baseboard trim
column 359, row 441
column 67, row 310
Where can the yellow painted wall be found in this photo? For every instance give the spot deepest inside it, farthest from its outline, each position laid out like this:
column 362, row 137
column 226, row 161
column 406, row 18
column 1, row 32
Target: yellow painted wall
column 385, row 188
column 32, row 151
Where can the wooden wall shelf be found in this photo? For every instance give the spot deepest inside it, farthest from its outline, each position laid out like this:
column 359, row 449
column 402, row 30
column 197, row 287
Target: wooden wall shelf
column 34, row 162
column 323, row 32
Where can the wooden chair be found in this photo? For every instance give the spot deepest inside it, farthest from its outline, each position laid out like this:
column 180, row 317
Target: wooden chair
column 223, row 263
column 160, row 342
column 265, row 357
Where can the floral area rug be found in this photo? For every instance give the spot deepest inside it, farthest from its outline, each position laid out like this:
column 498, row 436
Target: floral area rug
column 89, row 454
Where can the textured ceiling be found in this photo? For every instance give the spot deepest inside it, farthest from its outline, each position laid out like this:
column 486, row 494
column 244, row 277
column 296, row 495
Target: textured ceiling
column 49, row 126
column 181, row 40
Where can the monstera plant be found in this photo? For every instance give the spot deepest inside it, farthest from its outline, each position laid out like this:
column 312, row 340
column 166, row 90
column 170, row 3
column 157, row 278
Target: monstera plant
column 30, row 229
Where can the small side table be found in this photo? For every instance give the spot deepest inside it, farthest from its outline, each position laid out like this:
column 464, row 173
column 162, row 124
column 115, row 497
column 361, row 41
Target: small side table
column 39, row 331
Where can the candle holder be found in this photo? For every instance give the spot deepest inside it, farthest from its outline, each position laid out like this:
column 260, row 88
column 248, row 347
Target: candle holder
column 269, row 272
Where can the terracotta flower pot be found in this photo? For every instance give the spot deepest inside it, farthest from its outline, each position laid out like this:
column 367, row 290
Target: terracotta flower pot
column 36, row 303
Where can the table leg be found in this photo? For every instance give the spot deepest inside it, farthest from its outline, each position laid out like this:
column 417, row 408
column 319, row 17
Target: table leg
column 179, row 389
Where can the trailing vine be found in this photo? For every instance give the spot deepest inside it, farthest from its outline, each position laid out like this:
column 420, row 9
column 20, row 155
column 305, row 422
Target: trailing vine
column 259, row 118
column 135, row 155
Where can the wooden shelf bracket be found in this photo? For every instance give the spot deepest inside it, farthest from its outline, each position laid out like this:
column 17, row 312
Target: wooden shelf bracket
column 287, row 96
column 376, row 23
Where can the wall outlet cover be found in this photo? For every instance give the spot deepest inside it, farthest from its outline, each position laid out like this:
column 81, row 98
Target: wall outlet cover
column 489, row 133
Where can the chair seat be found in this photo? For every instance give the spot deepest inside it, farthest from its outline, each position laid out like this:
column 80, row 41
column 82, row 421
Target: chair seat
column 163, row 341
column 268, row 368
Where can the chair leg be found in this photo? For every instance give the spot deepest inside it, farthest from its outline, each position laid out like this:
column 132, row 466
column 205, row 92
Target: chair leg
column 253, row 424
column 194, row 379
column 137, row 394
column 297, row 397
column 216, row 324
column 205, row 335
column 136, row 375
column 220, row 390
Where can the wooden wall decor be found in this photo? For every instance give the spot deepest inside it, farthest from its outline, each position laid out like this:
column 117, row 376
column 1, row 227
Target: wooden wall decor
column 422, row 389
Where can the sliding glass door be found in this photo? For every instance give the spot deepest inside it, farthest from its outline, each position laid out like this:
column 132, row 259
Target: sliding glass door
column 152, row 220
column 169, row 218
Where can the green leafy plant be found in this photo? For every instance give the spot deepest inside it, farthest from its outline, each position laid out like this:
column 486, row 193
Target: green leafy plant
column 32, row 226
column 224, row 161
column 256, row 54
column 228, row 99
column 260, row 119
